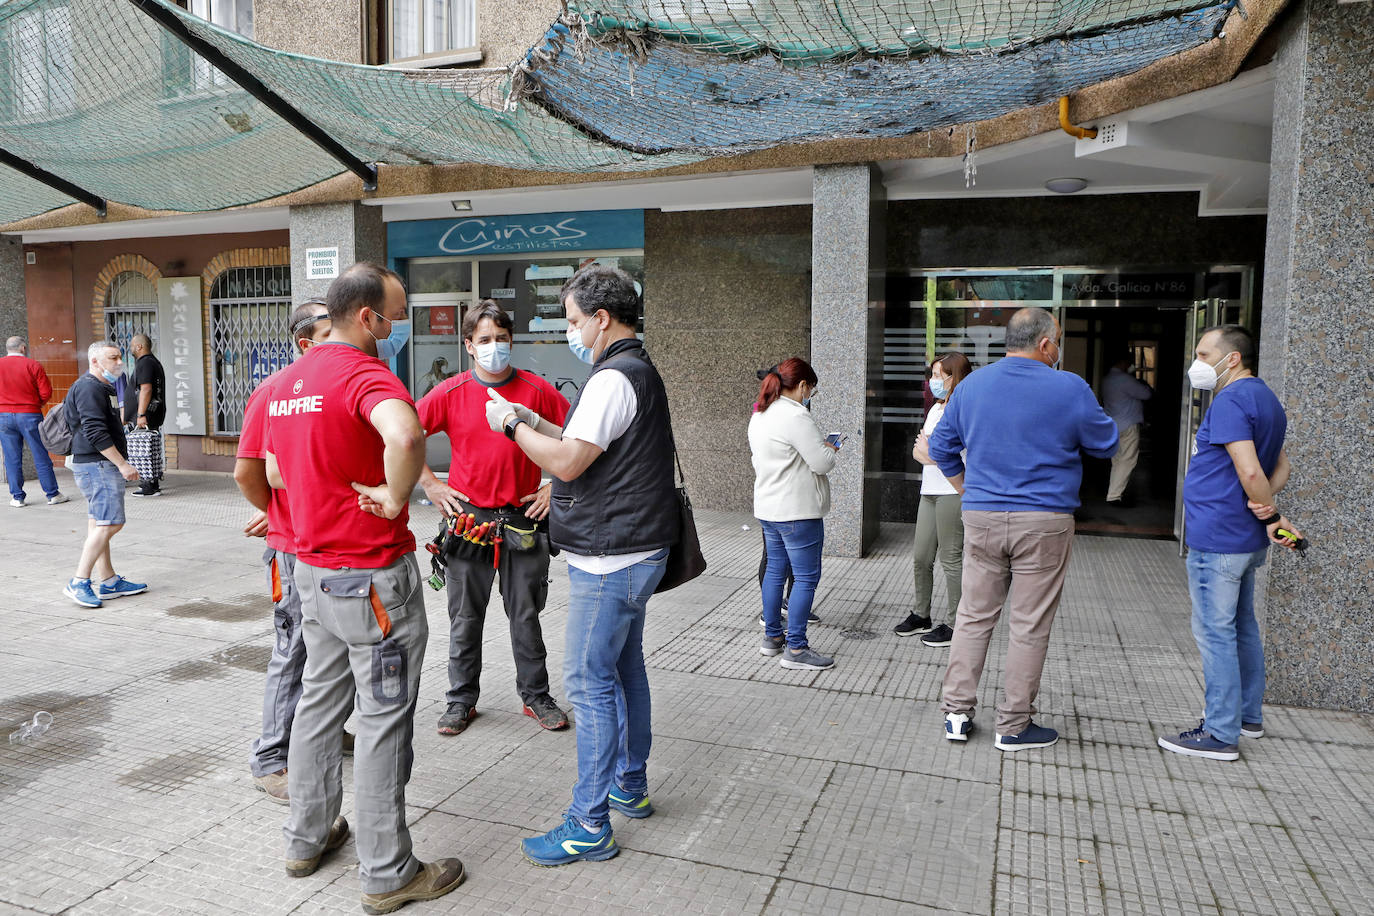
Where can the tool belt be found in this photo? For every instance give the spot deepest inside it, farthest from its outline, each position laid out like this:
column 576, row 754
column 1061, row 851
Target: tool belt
column 478, row 534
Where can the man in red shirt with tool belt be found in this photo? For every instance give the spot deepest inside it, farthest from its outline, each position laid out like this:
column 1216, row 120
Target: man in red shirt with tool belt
column 345, row 443
column 491, row 479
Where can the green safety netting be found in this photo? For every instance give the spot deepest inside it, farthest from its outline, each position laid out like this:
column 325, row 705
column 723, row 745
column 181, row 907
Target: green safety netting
column 99, row 94
column 96, row 92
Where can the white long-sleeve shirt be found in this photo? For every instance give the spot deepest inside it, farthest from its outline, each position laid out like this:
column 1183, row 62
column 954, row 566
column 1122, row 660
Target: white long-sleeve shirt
column 791, row 459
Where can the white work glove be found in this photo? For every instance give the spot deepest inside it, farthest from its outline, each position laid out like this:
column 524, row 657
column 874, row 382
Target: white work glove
column 499, row 410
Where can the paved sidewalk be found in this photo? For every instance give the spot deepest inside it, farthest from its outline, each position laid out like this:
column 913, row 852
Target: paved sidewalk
column 776, row 791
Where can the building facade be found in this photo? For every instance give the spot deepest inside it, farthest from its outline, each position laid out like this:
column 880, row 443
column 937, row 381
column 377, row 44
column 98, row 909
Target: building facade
column 1223, row 204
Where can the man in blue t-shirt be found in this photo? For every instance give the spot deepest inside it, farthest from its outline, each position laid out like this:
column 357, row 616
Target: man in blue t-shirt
column 1238, row 464
column 1025, row 427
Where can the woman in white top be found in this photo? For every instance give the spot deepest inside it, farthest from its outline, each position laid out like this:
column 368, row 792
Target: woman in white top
column 791, row 496
column 939, row 523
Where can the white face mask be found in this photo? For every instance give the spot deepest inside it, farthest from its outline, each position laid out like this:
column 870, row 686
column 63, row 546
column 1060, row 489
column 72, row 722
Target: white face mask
column 494, row 356
column 1203, row 376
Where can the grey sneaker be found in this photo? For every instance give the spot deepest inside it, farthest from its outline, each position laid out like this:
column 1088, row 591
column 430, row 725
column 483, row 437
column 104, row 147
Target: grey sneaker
column 772, row 645
column 806, row 659
column 304, row 868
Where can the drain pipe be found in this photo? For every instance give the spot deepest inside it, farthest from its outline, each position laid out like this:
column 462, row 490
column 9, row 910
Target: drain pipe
column 1082, row 133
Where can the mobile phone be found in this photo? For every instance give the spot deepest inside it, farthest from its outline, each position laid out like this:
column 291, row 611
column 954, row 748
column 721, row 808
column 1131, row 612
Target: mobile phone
column 836, row 439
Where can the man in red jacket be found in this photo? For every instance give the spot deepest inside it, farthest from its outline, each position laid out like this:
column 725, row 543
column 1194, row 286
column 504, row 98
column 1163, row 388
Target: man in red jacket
column 24, row 389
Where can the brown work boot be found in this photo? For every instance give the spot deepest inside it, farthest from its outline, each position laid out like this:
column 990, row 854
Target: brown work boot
column 274, row 784
column 302, row 868
column 433, row 880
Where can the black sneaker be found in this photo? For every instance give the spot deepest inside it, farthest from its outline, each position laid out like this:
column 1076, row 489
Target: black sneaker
column 912, row 626
column 148, row 489
column 939, row 637
column 455, row 719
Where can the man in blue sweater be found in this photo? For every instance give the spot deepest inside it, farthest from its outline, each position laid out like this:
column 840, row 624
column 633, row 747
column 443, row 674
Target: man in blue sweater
column 1023, row 425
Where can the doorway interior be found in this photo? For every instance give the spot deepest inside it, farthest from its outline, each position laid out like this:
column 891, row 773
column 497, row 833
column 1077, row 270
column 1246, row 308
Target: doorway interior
column 1154, row 337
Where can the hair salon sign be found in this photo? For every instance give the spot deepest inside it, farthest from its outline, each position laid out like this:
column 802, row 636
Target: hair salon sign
column 590, row 230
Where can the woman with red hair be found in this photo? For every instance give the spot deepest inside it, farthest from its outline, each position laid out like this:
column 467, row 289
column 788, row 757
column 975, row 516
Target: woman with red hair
column 791, row 498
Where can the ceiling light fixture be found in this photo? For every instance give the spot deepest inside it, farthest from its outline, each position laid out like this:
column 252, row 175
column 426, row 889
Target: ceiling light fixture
column 1066, row 185
column 462, row 206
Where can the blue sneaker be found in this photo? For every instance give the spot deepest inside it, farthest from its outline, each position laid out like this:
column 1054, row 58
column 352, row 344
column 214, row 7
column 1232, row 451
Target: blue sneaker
column 570, row 842
column 79, row 590
column 122, row 588
column 1032, row 736
column 630, row 804
column 1198, row 742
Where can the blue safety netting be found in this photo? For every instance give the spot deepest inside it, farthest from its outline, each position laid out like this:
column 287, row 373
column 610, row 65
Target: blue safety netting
column 99, row 94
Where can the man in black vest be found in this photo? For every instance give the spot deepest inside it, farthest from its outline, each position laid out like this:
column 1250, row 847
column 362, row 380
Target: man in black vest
column 614, row 515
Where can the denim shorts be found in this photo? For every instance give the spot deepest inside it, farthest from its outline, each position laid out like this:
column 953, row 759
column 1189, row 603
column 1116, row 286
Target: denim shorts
column 103, row 486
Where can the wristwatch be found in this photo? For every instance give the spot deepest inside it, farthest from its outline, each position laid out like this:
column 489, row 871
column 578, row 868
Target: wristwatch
column 510, row 427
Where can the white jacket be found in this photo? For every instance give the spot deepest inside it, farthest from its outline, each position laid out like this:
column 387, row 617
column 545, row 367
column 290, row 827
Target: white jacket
column 791, row 460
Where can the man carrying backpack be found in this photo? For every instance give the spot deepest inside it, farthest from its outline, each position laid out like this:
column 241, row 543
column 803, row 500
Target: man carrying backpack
column 100, row 468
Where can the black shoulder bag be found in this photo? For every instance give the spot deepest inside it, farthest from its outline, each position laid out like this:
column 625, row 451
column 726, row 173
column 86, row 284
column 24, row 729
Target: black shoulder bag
column 685, row 561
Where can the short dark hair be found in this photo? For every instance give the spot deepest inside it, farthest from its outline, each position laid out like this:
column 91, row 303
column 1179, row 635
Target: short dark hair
column 1234, row 337
column 598, row 287
column 304, row 315
column 487, row 308
column 361, row 286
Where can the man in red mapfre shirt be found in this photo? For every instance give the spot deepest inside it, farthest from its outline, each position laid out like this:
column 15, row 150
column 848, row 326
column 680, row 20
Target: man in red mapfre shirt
column 345, row 443
column 309, row 325
column 492, row 479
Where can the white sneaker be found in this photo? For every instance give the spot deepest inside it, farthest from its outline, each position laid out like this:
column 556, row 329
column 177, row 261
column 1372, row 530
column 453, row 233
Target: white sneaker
column 59, row 499
column 958, row 726
column 17, row 503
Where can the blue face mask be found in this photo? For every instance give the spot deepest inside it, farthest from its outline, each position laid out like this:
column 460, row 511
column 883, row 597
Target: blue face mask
column 389, row 348
column 937, row 389
column 580, row 350
column 109, row 376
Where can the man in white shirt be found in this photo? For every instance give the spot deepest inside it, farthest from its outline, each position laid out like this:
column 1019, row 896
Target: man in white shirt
column 1123, row 398
column 614, row 513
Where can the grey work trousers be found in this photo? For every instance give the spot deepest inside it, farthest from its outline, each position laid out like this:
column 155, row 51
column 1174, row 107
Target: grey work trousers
column 1026, row 554
column 284, row 669
column 939, row 533
column 350, row 660
column 524, row 591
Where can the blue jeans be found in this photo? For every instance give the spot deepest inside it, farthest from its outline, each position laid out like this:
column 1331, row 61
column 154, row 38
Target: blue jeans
column 603, row 673
column 797, row 543
column 15, row 430
column 1222, row 586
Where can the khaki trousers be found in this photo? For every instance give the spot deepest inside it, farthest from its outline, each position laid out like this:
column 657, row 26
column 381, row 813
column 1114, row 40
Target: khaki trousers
column 1123, row 462
column 1025, row 554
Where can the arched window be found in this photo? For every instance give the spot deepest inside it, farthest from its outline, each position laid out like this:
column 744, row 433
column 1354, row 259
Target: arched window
column 130, row 308
column 249, row 308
